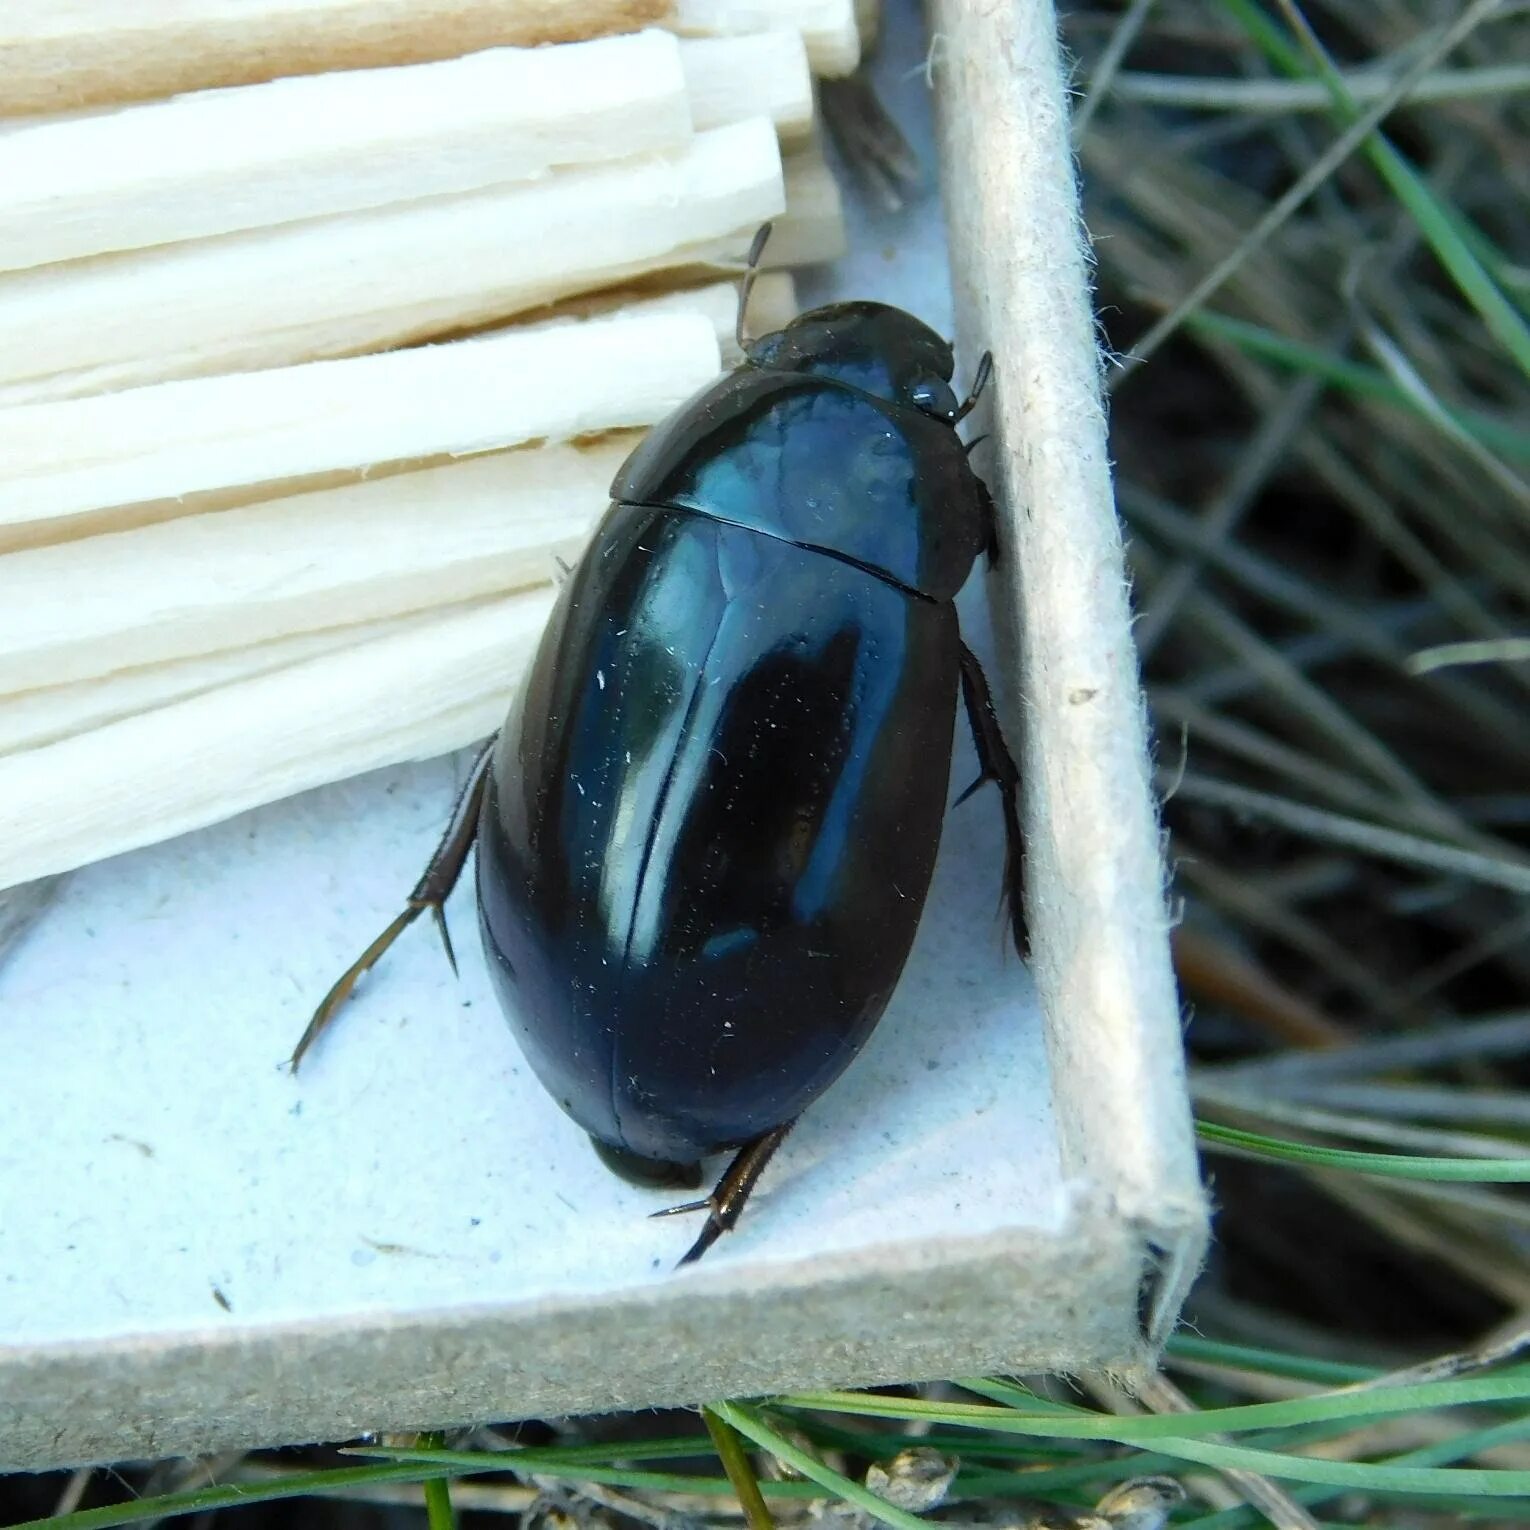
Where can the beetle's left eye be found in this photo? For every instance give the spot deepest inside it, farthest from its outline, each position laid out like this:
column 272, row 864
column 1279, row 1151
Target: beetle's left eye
column 931, row 396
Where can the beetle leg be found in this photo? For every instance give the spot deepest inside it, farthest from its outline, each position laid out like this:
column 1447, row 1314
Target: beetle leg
column 430, row 892
column 724, row 1205
column 990, row 520
column 984, row 372
column 997, row 765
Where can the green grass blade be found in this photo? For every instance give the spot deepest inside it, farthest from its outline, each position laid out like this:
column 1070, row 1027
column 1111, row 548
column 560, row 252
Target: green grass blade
column 467, row 1462
column 1359, row 1475
column 1439, row 225
column 234, row 1495
column 1272, row 1362
column 749, row 1423
column 1511, row 1386
column 588, row 1461
column 1094, row 1474
column 551, row 1458
column 1013, row 1396
column 1351, row 377
column 1388, row 1165
column 439, row 1514
column 1457, row 1448
column 735, row 1463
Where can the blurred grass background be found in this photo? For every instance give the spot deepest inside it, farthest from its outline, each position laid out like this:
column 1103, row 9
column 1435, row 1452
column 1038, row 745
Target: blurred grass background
column 1312, row 231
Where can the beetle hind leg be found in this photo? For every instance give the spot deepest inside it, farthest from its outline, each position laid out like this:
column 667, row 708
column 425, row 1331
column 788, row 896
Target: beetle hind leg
column 726, row 1203
column 996, row 764
column 430, row 892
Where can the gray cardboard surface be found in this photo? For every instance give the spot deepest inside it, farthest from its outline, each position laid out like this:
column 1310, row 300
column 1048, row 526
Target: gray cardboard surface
column 198, row 1251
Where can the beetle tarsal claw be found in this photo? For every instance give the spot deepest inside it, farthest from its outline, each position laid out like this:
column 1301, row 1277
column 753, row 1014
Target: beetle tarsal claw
column 983, row 779
column 714, row 1229
column 704, row 1204
column 726, row 1201
column 438, row 913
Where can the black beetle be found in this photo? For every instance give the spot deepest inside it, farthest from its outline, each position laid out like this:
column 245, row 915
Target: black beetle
column 706, row 830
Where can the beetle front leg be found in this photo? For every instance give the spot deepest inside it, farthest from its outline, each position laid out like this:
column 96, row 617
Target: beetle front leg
column 430, row 892
column 979, row 383
column 724, row 1205
column 990, row 522
column 998, row 765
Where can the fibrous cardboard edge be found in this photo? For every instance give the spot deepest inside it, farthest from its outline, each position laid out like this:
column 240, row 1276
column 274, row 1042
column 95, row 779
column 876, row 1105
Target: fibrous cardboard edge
column 1099, row 1294
column 1095, row 904
column 1016, row 1301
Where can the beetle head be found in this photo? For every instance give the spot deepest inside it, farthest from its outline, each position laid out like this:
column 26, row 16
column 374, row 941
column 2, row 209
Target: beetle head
column 878, row 349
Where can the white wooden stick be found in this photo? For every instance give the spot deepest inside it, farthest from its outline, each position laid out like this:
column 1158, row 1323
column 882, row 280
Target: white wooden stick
column 406, row 696
column 338, row 286
column 757, row 74
column 812, row 229
column 868, row 22
column 223, row 160
column 56, row 57
column 89, row 53
column 772, row 304
column 210, row 582
column 219, row 161
column 828, row 27
column 520, row 385
column 29, row 719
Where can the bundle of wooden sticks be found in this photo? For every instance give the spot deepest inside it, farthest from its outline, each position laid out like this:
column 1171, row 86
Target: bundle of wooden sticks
column 326, row 324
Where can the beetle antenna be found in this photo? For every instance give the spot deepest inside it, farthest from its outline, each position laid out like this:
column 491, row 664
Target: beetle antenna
column 751, row 270
column 984, row 372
